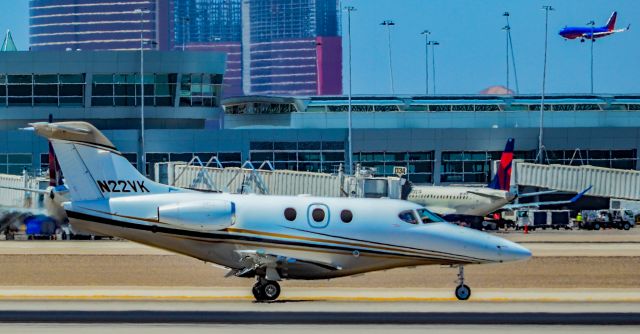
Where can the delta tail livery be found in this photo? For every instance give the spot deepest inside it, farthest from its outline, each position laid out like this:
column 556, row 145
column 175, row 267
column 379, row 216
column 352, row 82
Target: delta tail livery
column 592, row 33
column 270, row 238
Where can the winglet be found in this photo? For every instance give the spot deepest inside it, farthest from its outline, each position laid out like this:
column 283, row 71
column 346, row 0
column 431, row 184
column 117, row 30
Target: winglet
column 578, row 196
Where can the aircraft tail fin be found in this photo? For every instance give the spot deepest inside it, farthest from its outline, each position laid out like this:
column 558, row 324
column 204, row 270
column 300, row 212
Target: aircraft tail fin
column 611, row 24
column 502, row 180
column 92, row 166
column 55, row 176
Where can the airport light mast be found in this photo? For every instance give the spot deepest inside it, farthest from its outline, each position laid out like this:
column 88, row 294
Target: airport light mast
column 349, row 9
column 143, row 161
column 507, row 28
column 426, row 34
column 185, row 25
column 388, row 24
column 433, row 62
column 509, row 47
column 540, row 156
column 592, row 24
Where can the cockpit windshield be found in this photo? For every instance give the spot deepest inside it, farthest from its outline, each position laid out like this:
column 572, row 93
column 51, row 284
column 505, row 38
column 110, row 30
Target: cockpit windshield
column 408, row 216
column 428, row 217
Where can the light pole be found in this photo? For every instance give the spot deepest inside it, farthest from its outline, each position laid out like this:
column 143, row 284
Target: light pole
column 185, row 24
column 143, row 160
column 592, row 24
column 349, row 9
column 426, row 59
column 388, row 24
column 540, row 157
column 509, row 47
column 433, row 62
column 506, row 29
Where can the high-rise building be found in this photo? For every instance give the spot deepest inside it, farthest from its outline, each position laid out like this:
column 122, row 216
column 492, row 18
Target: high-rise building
column 210, row 25
column 97, row 24
column 290, row 47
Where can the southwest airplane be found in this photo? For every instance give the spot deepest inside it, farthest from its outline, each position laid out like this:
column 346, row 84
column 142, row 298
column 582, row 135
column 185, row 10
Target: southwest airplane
column 592, row 33
column 270, row 238
column 469, row 204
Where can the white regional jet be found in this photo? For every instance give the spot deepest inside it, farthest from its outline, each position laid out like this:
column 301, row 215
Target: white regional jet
column 469, row 204
column 268, row 237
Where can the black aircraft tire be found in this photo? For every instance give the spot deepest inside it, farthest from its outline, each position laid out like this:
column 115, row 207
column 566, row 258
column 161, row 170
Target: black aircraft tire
column 463, row 292
column 257, row 292
column 270, row 290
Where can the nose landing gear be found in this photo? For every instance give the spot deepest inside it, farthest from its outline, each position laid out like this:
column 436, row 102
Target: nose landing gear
column 265, row 290
column 463, row 292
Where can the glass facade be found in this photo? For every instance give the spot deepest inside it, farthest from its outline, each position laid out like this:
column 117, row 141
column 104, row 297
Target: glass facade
column 113, row 89
column 621, row 159
column 124, row 89
column 315, row 156
column 419, row 164
column 227, row 159
column 15, row 163
column 90, row 24
column 467, row 167
column 203, row 21
column 295, row 47
column 35, row 90
column 200, row 89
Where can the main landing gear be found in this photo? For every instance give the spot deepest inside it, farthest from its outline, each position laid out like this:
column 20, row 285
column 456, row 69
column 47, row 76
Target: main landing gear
column 265, row 290
column 463, row 292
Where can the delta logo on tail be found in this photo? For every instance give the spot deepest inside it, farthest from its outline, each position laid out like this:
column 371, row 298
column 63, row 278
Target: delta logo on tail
column 502, row 180
column 592, row 32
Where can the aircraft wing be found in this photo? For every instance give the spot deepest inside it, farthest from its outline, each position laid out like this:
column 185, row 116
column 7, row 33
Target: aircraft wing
column 484, row 194
column 276, row 265
column 539, row 204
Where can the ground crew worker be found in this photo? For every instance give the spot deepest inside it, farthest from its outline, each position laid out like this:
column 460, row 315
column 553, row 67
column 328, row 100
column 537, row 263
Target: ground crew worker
column 579, row 219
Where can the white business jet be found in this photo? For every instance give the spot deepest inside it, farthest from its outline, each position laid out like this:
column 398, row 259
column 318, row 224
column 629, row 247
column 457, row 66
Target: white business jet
column 271, row 238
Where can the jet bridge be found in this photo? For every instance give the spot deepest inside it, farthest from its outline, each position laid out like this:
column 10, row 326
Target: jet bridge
column 606, row 182
column 264, row 179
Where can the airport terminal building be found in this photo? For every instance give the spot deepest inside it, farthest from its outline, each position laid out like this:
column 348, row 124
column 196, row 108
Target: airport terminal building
column 440, row 139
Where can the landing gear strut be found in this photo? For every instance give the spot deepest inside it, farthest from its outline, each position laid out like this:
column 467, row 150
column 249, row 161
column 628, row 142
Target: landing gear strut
column 463, row 292
column 265, row 290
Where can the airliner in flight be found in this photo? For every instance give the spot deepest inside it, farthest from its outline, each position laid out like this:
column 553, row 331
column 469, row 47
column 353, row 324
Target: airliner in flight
column 270, row 238
column 592, row 33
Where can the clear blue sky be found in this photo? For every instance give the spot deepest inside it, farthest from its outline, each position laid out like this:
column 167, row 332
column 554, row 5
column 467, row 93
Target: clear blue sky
column 471, row 56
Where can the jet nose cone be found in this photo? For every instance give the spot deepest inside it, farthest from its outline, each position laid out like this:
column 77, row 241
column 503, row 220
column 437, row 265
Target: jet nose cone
column 511, row 251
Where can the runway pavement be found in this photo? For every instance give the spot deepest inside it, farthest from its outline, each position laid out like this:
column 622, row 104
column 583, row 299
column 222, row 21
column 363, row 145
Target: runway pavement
column 320, row 312
column 575, row 278
column 296, row 329
column 318, row 294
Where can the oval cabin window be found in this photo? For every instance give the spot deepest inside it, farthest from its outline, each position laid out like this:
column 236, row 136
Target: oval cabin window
column 318, row 214
column 290, row 214
column 346, row 216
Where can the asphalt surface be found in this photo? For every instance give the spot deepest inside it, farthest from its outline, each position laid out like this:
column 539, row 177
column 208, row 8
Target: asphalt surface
column 50, row 328
column 311, row 318
column 315, row 313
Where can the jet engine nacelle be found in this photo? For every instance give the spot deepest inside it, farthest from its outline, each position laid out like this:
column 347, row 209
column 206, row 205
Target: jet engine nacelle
column 204, row 216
